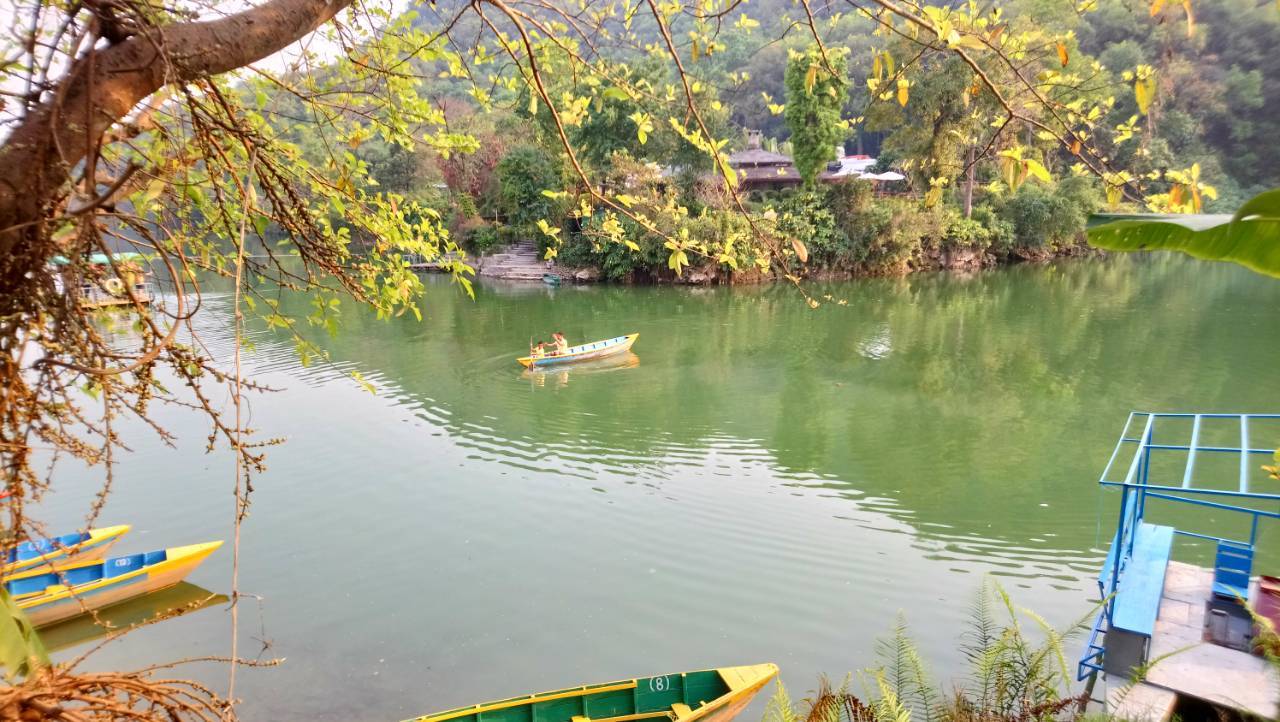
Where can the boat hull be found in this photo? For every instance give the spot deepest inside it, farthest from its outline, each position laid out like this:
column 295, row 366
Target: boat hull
column 585, row 352
column 56, row 602
column 715, row 695
column 93, row 546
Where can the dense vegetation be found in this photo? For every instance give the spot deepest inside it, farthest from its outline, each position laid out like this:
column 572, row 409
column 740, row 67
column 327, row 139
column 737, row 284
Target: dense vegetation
column 1188, row 98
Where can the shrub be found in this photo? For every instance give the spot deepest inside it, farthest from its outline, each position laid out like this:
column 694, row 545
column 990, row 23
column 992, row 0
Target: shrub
column 523, row 175
column 1054, row 216
column 1000, row 233
column 484, row 239
column 967, row 233
column 891, row 231
column 804, row 216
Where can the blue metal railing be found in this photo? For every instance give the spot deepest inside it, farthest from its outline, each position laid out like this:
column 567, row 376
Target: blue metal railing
column 1136, row 488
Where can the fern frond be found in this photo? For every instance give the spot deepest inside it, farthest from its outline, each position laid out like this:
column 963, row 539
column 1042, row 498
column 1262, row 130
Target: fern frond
column 780, row 707
column 888, row 706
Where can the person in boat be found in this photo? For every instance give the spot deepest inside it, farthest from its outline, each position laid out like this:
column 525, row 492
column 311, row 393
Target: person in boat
column 562, row 346
column 538, row 351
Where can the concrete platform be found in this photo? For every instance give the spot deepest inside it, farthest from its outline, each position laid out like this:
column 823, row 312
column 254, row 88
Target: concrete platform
column 1188, row 666
column 1141, row 703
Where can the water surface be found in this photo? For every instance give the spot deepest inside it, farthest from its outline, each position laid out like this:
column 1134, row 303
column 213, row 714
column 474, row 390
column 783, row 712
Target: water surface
column 761, row 482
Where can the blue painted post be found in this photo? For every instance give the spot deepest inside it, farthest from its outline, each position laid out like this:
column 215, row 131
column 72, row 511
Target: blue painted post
column 1244, row 453
column 1109, row 602
column 1191, row 453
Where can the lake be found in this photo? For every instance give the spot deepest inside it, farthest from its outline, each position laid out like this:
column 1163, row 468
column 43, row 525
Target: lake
column 761, row 482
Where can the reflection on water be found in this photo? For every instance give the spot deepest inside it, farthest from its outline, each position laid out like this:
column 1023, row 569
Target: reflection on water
column 772, row 483
column 558, row 376
column 182, row 598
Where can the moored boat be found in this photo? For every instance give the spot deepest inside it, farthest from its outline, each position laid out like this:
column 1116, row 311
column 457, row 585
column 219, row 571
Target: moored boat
column 551, row 279
column 80, row 546
column 71, row 589
column 584, row 352
column 713, row 695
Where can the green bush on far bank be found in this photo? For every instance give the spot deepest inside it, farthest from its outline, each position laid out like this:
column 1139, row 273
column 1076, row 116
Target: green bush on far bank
column 846, row 227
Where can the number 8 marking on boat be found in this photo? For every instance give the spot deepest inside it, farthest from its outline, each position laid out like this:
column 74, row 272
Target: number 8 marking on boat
column 658, row 684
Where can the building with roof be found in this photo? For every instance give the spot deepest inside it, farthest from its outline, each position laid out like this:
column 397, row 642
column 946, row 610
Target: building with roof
column 762, row 170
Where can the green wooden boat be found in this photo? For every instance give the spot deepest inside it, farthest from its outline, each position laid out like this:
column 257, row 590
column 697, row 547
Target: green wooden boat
column 713, row 695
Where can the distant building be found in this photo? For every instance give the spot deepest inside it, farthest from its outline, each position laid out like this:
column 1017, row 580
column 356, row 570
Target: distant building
column 760, row 170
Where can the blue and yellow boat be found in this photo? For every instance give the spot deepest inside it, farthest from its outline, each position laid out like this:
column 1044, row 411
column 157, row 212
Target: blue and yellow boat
column 81, row 546
column 585, row 352
column 712, row 695
column 74, row 588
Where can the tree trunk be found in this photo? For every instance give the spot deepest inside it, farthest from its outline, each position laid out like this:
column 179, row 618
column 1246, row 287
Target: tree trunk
column 968, row 185
column 101, row 87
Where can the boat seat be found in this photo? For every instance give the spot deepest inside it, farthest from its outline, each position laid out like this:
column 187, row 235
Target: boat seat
column 1231, row 569
column 123, row 565
column 1137, row 599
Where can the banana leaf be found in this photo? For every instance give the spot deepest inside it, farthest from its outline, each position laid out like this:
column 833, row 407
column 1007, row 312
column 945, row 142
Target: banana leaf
column 1250, row 238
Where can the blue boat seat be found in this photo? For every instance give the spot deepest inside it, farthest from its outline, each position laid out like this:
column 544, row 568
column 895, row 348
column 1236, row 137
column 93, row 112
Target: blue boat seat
column 123, row 565
column 1231, row 569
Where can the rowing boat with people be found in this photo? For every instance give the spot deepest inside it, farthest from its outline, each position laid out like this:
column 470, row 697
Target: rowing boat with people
column 585, row 352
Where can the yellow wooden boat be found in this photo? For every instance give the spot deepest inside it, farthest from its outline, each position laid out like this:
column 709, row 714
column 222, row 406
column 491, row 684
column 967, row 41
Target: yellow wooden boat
column 51, row 595
column 585, row 352
column 713, row 695
column 80, row 546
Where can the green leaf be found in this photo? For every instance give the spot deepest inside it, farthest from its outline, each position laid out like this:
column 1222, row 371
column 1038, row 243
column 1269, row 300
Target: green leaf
column 615, row 93
column 1251, row 238
column 21, row 651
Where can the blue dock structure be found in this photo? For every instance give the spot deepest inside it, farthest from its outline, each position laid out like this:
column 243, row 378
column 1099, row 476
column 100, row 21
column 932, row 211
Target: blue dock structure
column 1190, row 486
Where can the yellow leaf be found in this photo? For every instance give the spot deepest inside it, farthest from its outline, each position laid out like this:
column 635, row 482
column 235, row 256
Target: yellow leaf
column 801, row 252
column 1062, row 53
column 1144, row 91
column 811, row 78
column 1156, row 7
column 1036, row 170
column 1191, row 18
column 903, row 84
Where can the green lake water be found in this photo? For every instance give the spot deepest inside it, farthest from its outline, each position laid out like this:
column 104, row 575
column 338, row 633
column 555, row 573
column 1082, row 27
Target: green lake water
column 761, row 482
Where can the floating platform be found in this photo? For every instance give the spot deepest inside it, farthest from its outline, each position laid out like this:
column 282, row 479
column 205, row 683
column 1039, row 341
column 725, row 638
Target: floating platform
column 1170, row 632
column 1187, row 665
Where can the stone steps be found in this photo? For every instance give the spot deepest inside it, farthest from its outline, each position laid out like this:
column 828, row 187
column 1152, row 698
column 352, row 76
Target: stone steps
column 518, row 262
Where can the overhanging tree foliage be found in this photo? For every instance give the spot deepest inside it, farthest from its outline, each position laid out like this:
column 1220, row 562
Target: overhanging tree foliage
column 140, row 124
